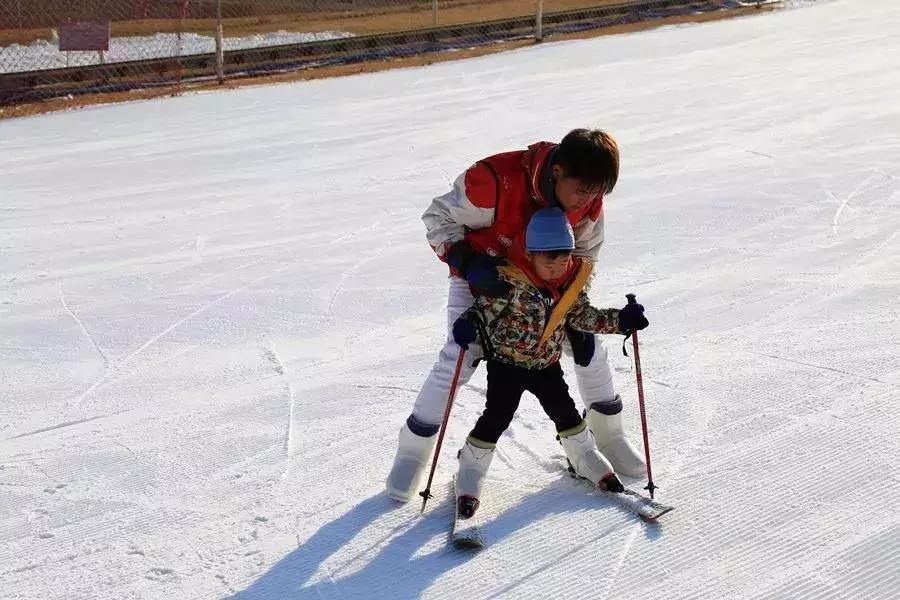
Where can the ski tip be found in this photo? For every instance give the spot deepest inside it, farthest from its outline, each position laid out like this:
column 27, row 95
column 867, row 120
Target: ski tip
column 654, row 519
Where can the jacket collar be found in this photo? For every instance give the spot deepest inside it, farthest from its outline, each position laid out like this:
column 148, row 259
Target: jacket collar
column 546, row 185
column 525, row 274
column 537, row 166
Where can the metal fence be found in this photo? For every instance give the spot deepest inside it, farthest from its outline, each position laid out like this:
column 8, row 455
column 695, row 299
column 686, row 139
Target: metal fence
column 123, row 46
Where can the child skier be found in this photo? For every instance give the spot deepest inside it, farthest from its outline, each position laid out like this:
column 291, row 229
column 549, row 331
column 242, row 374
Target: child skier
column 521, row 335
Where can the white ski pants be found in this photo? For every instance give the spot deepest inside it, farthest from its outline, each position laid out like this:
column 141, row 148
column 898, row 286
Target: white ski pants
column 595, row 381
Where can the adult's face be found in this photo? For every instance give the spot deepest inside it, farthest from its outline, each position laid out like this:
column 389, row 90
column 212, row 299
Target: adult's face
column 573, row 194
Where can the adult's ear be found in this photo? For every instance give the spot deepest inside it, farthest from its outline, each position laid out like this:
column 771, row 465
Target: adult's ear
column 557, row 172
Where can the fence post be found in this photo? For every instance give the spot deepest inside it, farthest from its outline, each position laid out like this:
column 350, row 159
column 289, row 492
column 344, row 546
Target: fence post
column 220, row 46
column 179, row 46
column 539, row 22
column 434, row 8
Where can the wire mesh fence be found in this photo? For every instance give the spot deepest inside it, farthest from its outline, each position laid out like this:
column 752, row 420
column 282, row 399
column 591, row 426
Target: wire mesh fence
column 52, row 49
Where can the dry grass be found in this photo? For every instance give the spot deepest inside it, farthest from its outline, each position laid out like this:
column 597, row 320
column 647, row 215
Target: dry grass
column 364, row 67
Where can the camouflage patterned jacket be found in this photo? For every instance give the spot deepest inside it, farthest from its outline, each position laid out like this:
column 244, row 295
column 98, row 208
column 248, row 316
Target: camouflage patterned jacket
column 515, row 323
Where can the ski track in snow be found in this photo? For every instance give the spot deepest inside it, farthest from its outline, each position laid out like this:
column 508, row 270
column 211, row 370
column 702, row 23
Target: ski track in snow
column 62, row 298
column 272, row 357
column 626, row 549
column 58, row 426
column 820, row 367
column 843, row 204
column 289, row 435
column 118, row 365
column 348, row 274
column 270, row 308
column 556, row 562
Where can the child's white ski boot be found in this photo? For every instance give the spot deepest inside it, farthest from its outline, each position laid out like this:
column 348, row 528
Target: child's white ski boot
column 474, row 460
column 586, row 461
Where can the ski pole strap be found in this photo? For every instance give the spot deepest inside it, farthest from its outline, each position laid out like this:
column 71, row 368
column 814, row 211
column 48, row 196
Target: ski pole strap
column 486, row 346
column 476, row 317
column 625, row 339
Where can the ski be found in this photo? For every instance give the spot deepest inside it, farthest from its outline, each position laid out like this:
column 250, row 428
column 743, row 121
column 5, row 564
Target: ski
column 466, row 533
column 647, row 509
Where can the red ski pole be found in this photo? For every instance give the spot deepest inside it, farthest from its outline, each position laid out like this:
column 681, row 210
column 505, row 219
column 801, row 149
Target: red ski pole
column 651, row 487
column 426, row 493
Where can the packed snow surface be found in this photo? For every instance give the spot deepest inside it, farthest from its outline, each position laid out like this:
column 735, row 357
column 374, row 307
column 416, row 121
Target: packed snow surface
column 216, row 311
column 45, row 54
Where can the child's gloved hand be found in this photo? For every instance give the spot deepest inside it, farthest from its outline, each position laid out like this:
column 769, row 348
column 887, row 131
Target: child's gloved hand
column 631, row 318
column 479, row 269
column 464, row 333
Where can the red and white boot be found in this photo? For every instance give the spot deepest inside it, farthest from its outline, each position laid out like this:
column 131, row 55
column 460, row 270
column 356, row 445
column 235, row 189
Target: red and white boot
column 587, row 462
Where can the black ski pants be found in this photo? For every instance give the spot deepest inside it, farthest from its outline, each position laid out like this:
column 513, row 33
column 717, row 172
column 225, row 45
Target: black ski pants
column 505, row 385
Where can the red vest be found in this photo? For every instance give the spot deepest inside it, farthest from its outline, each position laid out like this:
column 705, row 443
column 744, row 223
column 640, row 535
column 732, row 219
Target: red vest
column 510, row 184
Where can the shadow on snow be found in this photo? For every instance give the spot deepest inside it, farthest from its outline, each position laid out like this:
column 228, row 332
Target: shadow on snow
column 397, row 571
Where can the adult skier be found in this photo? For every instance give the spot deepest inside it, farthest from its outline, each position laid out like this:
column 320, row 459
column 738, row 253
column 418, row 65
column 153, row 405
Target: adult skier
column 475, row 226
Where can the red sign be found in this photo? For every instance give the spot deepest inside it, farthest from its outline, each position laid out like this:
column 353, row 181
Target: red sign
column 83, row 37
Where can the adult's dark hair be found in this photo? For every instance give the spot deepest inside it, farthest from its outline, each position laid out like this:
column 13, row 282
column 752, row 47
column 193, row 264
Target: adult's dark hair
column 590, row 155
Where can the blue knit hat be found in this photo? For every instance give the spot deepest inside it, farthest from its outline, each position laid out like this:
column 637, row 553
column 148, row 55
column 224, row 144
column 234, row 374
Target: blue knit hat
column 549, row 229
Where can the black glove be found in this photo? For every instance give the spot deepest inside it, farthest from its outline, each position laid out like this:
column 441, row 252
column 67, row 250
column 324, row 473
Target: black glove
column 464, row 332
column 631, row 318
column 479, row 269
column 582, row 346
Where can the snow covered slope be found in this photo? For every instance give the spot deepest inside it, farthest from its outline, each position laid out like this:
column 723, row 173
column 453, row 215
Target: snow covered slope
column 215, row 312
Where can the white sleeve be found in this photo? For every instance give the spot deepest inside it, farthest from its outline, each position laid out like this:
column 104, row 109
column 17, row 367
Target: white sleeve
column 589, row 238
column 449, row 216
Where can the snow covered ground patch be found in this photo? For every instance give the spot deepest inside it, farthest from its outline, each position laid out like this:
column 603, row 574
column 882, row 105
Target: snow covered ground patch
column 44, row 54
column 216, row 311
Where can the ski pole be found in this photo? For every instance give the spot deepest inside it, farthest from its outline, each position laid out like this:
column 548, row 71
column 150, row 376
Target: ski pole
column 650, row 487
column 426, row 493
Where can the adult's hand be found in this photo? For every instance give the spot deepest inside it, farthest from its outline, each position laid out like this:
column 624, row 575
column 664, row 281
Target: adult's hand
column 464, row 332
column 583, row 346
column 478, row 269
